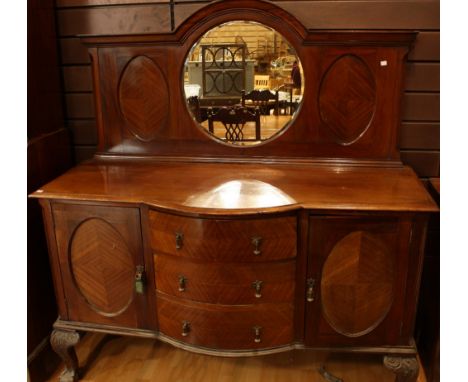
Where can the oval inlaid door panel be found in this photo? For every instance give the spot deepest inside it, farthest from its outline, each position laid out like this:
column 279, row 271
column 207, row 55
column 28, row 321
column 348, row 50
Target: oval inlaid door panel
column 102, row 267
column 144, row 98
column 357, row 284
column 347, row 99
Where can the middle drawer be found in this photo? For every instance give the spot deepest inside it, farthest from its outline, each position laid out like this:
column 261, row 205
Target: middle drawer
column 225, row 283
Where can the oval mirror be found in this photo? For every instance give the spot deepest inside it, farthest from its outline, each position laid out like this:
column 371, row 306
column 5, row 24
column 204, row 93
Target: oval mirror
column 243, row 83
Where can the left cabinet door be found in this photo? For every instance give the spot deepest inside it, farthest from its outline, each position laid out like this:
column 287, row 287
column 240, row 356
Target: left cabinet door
column 100, row 253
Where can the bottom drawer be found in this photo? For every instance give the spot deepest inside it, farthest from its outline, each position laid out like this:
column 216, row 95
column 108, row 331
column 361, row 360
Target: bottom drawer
column 224, row 326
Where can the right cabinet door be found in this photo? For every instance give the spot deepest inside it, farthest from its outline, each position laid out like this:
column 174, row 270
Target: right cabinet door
column 356, row 276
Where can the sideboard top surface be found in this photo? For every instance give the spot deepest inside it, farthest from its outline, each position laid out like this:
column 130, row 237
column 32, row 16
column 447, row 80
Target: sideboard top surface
column 216, row 187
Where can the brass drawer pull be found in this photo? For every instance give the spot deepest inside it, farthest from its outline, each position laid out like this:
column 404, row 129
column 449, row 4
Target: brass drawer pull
column 258, row 332
column 140, row 279
column 179, row 240
column 257, row 242
column 182, row 283
column 257, row 285
column 310, row 289
column 185, row 328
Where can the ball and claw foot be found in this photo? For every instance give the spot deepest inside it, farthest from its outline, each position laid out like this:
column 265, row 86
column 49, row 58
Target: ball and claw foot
column 63, row 342
column 406, row 368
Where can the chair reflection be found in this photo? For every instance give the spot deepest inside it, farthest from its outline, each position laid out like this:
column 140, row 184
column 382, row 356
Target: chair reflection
column 265, row 100
column 198, row 112
column 234, row 119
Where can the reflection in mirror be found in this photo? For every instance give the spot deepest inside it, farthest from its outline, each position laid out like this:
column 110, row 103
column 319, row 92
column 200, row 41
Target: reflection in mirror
column 243, row 83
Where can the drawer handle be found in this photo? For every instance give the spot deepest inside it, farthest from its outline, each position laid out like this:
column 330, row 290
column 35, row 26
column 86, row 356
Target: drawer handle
column 140, row 279
column 257, row 285
column 185, row 328
column 258, row 332
column 179, row 240
column 310, row 289
column 182, row 283
column 256, row 242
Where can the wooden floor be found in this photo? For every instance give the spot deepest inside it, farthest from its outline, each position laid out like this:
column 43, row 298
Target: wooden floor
column 105, row 358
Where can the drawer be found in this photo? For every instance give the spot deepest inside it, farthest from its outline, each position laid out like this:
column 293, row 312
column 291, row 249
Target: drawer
column 227, row 283
column 223, row 240
column 227, row 327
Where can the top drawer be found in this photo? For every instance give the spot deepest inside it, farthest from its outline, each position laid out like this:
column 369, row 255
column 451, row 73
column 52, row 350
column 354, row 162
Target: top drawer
column 223, row 240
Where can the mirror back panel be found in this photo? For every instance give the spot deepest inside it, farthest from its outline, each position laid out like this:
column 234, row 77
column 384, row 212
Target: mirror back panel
column 350, row 106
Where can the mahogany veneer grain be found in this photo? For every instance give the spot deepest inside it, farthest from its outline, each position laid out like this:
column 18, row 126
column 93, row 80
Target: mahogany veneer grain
column 96, row 275
column 350, row 300
column 169, row 185
column 226, row 283
column 224, row 240
column 226, row 326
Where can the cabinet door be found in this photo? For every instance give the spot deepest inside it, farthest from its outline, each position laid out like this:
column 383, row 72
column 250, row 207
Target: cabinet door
column 100, row 251
column 357, row 273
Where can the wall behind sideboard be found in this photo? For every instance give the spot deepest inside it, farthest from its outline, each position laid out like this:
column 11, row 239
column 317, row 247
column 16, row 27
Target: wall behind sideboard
column 419, row 140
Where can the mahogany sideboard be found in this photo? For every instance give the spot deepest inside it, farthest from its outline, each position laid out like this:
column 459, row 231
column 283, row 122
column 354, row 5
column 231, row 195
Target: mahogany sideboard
column 312, row 239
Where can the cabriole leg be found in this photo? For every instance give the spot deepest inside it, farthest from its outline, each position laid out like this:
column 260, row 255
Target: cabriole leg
column 63, row 342
column 405, row 368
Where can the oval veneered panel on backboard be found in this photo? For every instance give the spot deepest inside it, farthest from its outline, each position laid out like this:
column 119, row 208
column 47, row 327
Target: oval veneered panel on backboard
column 347, row 99
column 144, row 98
column 102, row 267
column 357, row 284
